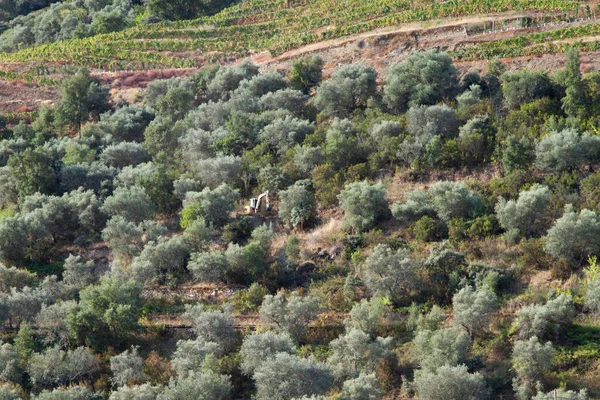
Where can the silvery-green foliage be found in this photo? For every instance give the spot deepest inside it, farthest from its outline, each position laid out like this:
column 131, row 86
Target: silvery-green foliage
column 126, row 367
column 364, row 387
column 261, row 84
column 9, row 392
column 363, row 204
column 448, row 346
column 8, row 190
column 94, row 176
column 190, row 355
column 297, row 204
column 349, row 87
column 306, row 158
column 138, row 392
column 368, row 315
column 209, row 266
column 10, row 370
column 182, row 186
column 592, row 296
column 132, row 203
column 211, row 326
column 292, row 313
column 126, row 239
column 123, row 154
column 286, row 99
column 473, row 308
column 421, row 78
column 389, row 273
column 284, row 133
column 531, row 358
column 23, row 305
column 258, row 348
column 451, row 382
column 545, row 320
column 385, row 129
column 565, row 150
column 218, row 170
column 228, row 79
column 573, row 235
column 160, row 261
column 425, row 122
column 287, row 376
column 14, row 278
column 70, row 393
column 469, row 97
column 199, row 386
column 356, row 352
column 341, row 143
column 130, row 175
column 54, row 320
column 562, row 394
column 263, row 235
column 55, row 367
column 446, row 198
column 126, row 123
column 213, row 205
column 520, row 214
column 78, row 273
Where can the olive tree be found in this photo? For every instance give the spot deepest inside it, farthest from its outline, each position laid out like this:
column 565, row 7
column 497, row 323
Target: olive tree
column 363, row 204
column 368, row 315
column 200, row 386
column 524, row 87
column 473, row 308
column 562, row 394
column 306, row 158
column 425, row 122
column 421, row 78
column 545, row 320
column 161, row 261
column 211, row 326
column 126, row 367
column 290, row 313
column 284, row 133
column 519, row 215
column 446, row 199
column 10, row 370
column 287, row 376
column 70, row 393
column 566, row 150
column 132, row 203
column 356, row 352
column 78, row 273
column 297, row 204
column 572, row 235
column 213, row 205
column 55, row 367
column 137, row 392
column 306, row 73
column 191, row 354
column 124, row 153
column 451, row 382
column 258, row 348
column 530, row 360
column 441, row 347
column 218, row 170
column 348, row 88
column 389, row 273
column 364, row 387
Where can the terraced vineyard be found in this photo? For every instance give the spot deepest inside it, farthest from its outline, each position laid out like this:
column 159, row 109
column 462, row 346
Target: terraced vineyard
column 263, row 25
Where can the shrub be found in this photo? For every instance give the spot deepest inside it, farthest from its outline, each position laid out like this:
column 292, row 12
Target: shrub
column 291, row 314
column 349, row 88
column 288, row 376
column 572, row 236
column 545, row 320
column 472, row 308
column 363, row 204
column 258, row 348
column 356, row 352
column 520, row 215
column 442, row 347
column 451, row 383
column 389, row 273
column 421, row 78
column 566, row 150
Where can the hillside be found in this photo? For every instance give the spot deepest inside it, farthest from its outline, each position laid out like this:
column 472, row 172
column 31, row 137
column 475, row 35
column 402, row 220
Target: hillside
column 293, row 200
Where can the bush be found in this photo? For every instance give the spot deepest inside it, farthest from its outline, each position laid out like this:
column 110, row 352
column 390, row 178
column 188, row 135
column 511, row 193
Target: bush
column 472, row 308
column 291, row 314
column 389, row 273
column 258, row 348
column 566, row 150
column 545, row 321
column 288, row 376
column 297, row 204
column 572, row 236
column 306, row 73
column 524, row 87
column 451, row 383
column 349, row 88
column 363, row 204
column 356, row 352
column 442, row 347
column 520, row 215
column 422, row 78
